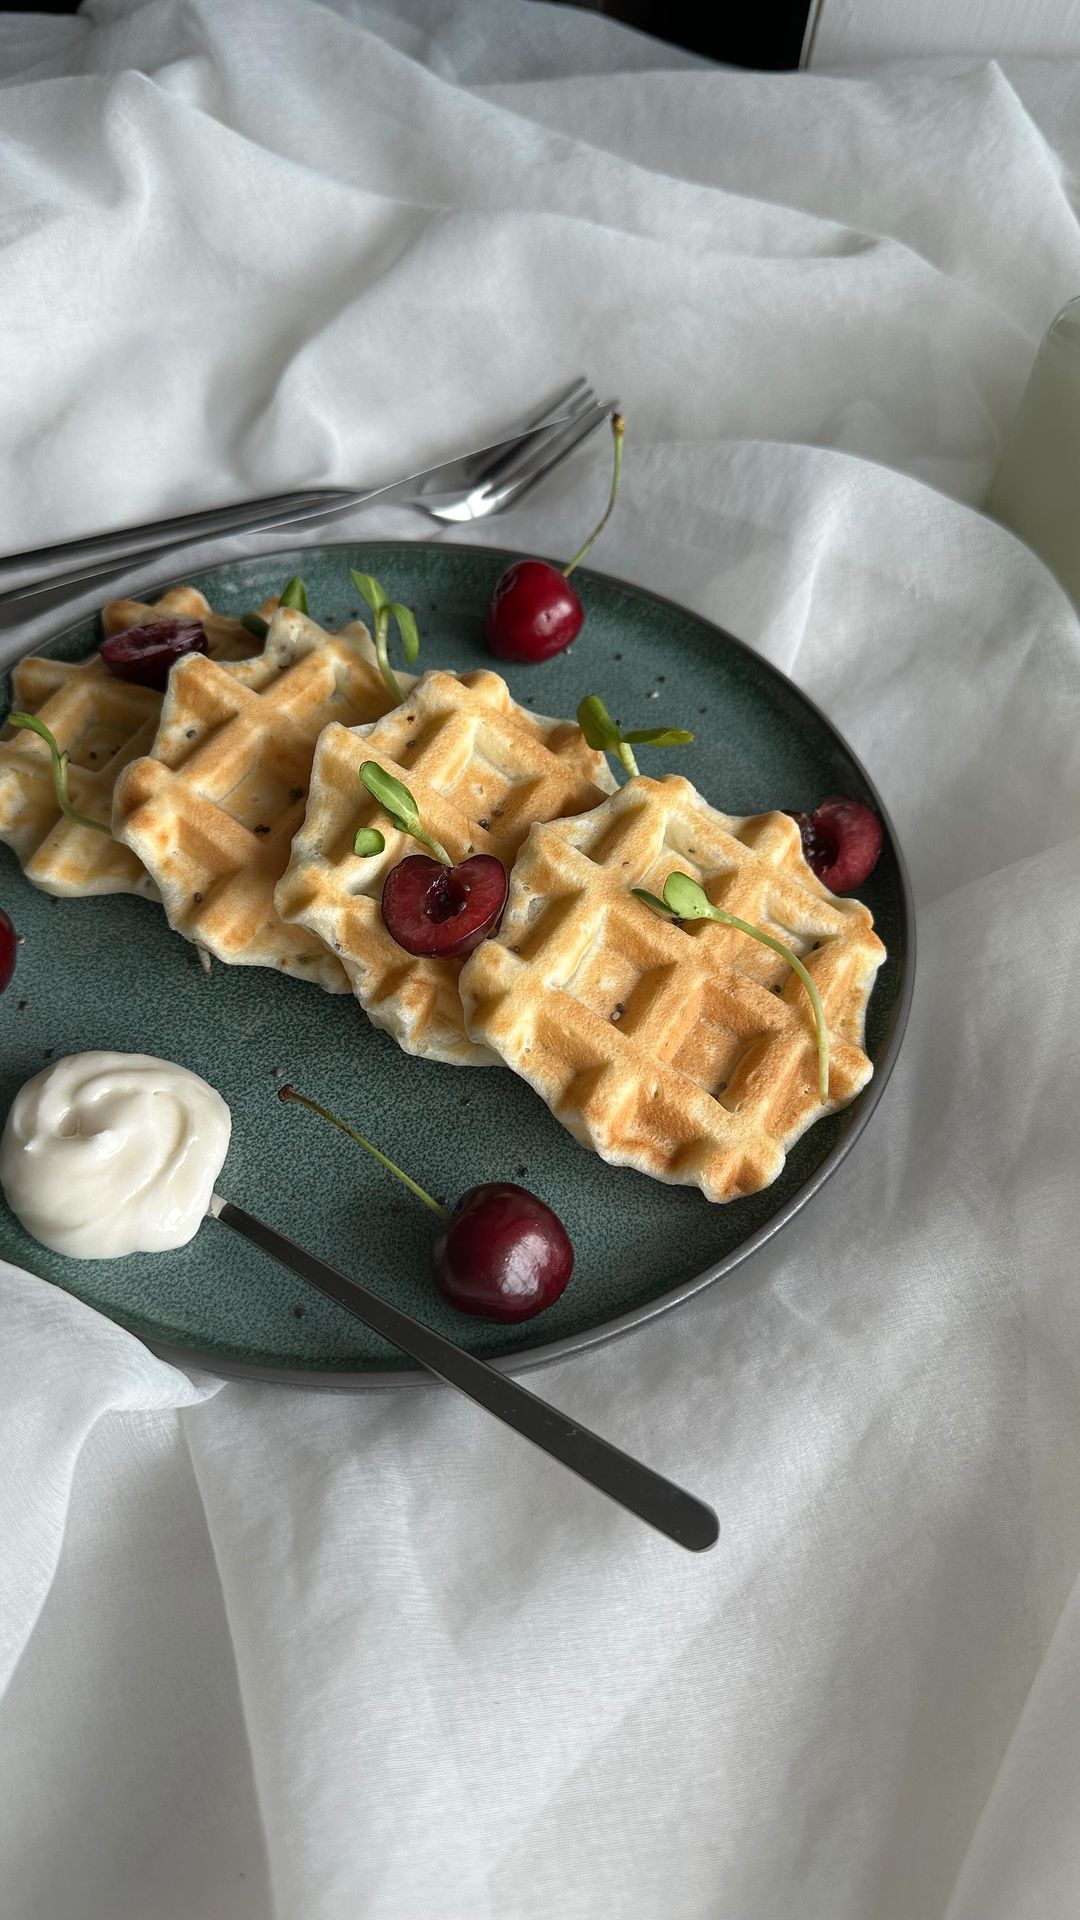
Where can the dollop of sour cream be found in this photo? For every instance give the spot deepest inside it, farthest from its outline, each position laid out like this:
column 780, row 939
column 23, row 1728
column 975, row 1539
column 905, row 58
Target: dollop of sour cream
column 106, row 1154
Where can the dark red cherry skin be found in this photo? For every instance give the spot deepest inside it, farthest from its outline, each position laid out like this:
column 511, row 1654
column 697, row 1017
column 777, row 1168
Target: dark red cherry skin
column 841, row 842
column 146, row 654
column 504, row 1255
column 533, row 612
column 443, row 912
column 8, row 948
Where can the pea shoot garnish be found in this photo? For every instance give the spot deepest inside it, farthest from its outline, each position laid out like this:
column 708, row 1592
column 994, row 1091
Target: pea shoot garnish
column 403, row 811
column 293, row 594
column 605, row 736
column 684, row 899
column 437, row 908
column 60, row 770
column 384, row 610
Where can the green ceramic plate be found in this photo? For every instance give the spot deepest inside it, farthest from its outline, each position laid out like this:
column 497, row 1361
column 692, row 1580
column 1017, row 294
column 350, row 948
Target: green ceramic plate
column 109, row 973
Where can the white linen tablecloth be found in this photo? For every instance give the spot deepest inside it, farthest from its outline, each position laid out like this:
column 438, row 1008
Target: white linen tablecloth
column 271, row 1653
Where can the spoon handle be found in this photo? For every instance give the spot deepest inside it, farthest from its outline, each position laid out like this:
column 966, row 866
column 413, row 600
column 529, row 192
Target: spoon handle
column 663, row 1505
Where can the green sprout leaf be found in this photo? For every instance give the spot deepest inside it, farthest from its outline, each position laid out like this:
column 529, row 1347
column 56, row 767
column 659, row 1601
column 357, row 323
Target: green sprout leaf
column 409, row 631
column 369, row 590
column 392, row 795
column 368, row 841
column 659, row 737
column 401, row 807
column 255, row 624
column 650, row 900
column 294, row 594
column 597, row 725
column 60, row 770
column 686, row 900
column 386, row 610
column 604, row 736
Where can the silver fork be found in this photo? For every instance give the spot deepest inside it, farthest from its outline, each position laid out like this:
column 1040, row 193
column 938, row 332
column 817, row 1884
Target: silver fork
column 469, row 487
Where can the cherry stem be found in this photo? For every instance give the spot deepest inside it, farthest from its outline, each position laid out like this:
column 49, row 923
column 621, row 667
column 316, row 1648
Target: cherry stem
column 60, row 770
column 618, row 428
column 289, row 1093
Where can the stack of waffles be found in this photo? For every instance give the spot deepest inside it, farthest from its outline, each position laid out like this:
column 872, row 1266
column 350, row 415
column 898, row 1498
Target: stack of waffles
column 686, row 1051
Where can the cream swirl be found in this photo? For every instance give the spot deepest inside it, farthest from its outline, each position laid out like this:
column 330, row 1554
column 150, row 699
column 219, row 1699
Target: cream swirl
column 106, row 1154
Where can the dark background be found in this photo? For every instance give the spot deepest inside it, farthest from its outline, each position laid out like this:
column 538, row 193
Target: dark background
column 766, row 35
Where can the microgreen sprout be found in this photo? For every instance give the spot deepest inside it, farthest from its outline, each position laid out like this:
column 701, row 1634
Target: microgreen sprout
column 602, row 733
column 384, row 609
column 403, row 811
column 289, row 1093
column 684, row 899
column 294, row 595
column 60, row 770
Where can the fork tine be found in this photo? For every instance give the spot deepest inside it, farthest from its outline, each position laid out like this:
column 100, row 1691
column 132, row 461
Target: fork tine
column 541, row 460
column 518, row 458
column 570, row 401
column 576, row 394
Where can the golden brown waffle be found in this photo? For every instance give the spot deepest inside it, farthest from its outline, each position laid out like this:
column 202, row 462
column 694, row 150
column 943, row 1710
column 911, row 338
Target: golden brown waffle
column 482, row 770
column 686, row 1051
column 226, row 638
column 102, row 724
column 212, row 812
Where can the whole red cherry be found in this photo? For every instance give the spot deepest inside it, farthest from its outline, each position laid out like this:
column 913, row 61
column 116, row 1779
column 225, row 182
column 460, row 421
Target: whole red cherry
column 503, row 1255
column 147, row 654
column 533, row 611
column 841, row 842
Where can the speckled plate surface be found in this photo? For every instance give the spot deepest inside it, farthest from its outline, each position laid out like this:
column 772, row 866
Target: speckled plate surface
column 109, row 973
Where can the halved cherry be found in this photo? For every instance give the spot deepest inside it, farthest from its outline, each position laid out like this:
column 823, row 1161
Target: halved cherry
column 147, row 654
column 8, row 948
column 841, row 842
column 440, row 911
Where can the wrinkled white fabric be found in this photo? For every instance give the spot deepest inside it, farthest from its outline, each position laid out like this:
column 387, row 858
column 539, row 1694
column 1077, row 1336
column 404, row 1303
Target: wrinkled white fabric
column 310, row 1657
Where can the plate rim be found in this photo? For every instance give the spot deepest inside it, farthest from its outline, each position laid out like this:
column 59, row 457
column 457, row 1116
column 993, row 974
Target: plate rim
column 360, row 1380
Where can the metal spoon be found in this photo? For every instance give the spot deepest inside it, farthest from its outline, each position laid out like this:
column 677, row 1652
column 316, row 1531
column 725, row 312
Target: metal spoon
column 659, row 1502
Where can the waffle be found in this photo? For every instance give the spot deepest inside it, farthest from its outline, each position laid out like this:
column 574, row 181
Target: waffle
column 226, row 638
column 687, row 1051
column 102, row 723
column 211, row 813
column 483, row 770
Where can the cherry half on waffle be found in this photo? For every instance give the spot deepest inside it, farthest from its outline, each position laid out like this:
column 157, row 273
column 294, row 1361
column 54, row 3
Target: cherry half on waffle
column 483, row 771
column 102, row 724
column 687, row 1051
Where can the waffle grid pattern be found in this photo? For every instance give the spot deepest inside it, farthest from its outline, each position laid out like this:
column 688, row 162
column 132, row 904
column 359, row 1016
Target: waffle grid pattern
column 103, row 724
column 211, row 814
column 482, row 771
column 685, row 1051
